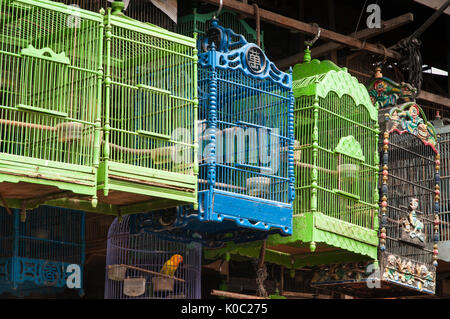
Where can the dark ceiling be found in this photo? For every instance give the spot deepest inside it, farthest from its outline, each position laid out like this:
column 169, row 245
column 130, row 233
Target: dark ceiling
column 280, row 42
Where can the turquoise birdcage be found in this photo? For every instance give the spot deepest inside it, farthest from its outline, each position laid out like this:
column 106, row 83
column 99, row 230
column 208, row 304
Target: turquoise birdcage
column 50, row 98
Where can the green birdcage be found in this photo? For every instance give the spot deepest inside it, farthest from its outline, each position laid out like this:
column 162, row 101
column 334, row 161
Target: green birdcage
column 149, row 115
column 336, row 163
column 199, row 23
column 50, row 89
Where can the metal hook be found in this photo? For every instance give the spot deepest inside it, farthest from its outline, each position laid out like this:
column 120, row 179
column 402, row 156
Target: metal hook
column 220, row 9
column 311, row 43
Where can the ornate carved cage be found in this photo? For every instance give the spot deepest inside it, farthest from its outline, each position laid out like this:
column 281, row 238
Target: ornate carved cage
column 409, row 186
column 140, row 265
column 39, row 254
column 142, row 10
column 246, row 176
column 50, row 92
column 199, row 23
column 149, row 115
column 336, row 165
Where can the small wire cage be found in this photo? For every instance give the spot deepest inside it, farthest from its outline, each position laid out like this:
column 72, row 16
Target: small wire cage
column 199, row 23
column 38, row 255
column 142, row 10
column 140, row 265
column 50, row 95
column 149, row 113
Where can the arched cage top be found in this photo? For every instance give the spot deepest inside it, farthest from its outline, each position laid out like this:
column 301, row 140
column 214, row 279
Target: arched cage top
column 144, row 266
column 410, row 118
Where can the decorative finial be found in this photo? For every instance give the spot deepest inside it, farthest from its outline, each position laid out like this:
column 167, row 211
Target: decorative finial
column 378, row 73
column 117, row 7
column 307, row 56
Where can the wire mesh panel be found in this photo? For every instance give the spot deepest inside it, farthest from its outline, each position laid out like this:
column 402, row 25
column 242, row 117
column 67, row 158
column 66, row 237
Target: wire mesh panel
column 142, row 10
column 50, row 97
column 345, row 165
column 149, row 113
column 43, row 253
column 143, row 266
column 199, row 23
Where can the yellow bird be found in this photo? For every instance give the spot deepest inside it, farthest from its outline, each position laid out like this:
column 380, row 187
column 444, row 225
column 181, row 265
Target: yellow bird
column 171, row 265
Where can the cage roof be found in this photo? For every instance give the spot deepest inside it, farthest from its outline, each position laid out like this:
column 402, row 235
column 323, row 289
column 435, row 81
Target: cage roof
column 321, row 77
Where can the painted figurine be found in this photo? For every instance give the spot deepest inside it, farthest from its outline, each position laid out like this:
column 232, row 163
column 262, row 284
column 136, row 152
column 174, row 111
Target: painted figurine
column 413, row 225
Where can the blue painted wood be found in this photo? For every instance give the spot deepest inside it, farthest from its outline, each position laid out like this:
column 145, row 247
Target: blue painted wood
column 246, row 162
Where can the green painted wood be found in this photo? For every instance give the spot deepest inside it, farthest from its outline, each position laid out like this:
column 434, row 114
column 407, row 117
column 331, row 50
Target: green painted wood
column 350, row 146
column 145, row 100
column 45, row 54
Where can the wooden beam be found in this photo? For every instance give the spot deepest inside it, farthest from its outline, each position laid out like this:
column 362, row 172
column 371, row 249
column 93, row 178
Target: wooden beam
column 233, row 295
column 434, row 98
column 362, row 35
column 304, row 295
column 292, row 24
column 434, row 4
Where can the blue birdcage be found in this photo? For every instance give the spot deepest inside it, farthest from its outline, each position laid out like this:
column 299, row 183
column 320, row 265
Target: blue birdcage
column 245, row 133
column 42, row 251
